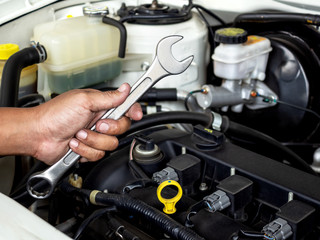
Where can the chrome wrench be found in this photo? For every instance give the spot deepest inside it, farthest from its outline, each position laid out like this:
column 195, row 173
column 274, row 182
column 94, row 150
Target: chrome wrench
column 41, row 185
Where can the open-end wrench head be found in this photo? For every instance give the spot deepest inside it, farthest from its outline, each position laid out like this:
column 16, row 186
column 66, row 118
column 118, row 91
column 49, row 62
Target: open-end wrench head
column 167, row 60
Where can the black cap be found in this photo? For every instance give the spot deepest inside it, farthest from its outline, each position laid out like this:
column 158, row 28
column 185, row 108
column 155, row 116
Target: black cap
column 230, row 35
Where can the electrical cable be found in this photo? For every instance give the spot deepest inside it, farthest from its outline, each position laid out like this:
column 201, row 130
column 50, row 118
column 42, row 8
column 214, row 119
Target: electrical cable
column 272, row 99
column 250, row 234
column 133, row 165
column 96, row 214
column 299, row 108
column 234, row 128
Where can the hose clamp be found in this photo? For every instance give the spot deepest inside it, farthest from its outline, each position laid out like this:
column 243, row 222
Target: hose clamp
column 217, row 121
column 41, row 51
column 95, row 11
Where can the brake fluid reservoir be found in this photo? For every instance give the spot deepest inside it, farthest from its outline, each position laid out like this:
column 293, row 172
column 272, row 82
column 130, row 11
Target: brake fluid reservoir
column 28, row 77
column 240, row 56
column 82, row 51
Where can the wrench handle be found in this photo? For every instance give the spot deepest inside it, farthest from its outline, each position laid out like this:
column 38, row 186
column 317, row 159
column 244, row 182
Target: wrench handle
column 140, row 87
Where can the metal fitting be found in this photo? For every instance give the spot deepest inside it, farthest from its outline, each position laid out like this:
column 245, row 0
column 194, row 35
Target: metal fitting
column 41, row 51
column 217, row 121
column 95, row 11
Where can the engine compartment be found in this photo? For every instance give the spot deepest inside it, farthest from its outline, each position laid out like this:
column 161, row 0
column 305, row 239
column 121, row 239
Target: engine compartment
column 224, row 186
column 227, row 150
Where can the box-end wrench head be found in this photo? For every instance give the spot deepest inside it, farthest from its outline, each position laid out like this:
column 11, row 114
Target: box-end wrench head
column 41, row 185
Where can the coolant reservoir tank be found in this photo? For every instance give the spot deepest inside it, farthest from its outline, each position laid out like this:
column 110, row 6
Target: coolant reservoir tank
column 239, row 56
column 82, row 51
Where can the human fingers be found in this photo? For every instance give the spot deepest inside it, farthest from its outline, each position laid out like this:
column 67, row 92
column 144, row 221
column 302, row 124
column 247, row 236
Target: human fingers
column 97, row 140
column 135, row 112
column 98, row 101
column 113, row 127
column 91, row 153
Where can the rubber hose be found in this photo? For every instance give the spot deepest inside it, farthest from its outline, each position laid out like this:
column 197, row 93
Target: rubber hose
column 278, row 17
column 192, row 105
column 154, row 119
column 237, row 129
column 123, row 34
column 159, row 94
column 12, row 71
column 31, row 100
column 210, row 13
column 165, row 223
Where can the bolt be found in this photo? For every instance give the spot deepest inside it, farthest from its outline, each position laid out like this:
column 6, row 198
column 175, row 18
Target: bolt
column 145, row 66
column 203, row 187
column 75, row 177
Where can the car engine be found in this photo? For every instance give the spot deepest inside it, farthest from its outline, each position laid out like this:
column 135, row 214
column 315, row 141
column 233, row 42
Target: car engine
column 229, row 149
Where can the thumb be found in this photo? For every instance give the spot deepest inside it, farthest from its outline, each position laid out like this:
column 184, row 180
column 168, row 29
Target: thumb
column 109, row 99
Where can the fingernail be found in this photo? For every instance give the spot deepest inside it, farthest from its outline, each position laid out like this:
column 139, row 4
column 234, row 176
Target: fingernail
column 74, row 143
column 82, row 134
column 84, row 160
column 104, row 127
column 122, row 88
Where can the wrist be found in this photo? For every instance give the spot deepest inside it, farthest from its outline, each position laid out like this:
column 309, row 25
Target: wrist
column 18, row 131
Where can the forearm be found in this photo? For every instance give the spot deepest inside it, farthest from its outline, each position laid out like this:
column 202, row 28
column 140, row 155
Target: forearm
column 18, row 131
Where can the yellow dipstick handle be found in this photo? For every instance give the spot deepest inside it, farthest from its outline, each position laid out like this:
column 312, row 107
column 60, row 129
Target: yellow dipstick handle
column 169, row 204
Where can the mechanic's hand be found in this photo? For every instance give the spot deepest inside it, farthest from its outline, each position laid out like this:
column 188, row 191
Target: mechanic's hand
column 63, row 122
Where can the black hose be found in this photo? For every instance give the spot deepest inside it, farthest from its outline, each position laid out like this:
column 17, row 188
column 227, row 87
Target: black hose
column 31, row 100
column 210, row 13
column 192, row 105
column 159, row 94
column 135, row 206
column 190, row 100
column 12, row 71
column 123, row 34
column 161, row 118
column 127, row 203
column 278, row 17
column 236, row 129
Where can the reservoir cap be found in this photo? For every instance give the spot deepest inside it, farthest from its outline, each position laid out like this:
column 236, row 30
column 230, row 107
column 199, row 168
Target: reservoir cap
column 8, row 49
column 231, row 35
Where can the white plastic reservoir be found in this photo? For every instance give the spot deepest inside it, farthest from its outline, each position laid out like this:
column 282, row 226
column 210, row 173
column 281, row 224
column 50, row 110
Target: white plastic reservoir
column 82, row 51
column 243, row 60
column 141, row 46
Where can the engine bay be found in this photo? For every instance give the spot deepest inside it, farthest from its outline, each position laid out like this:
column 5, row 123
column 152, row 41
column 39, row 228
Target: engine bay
column 229, row 149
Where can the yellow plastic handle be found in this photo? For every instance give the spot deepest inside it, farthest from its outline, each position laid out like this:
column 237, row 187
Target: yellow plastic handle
column 169, row 204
